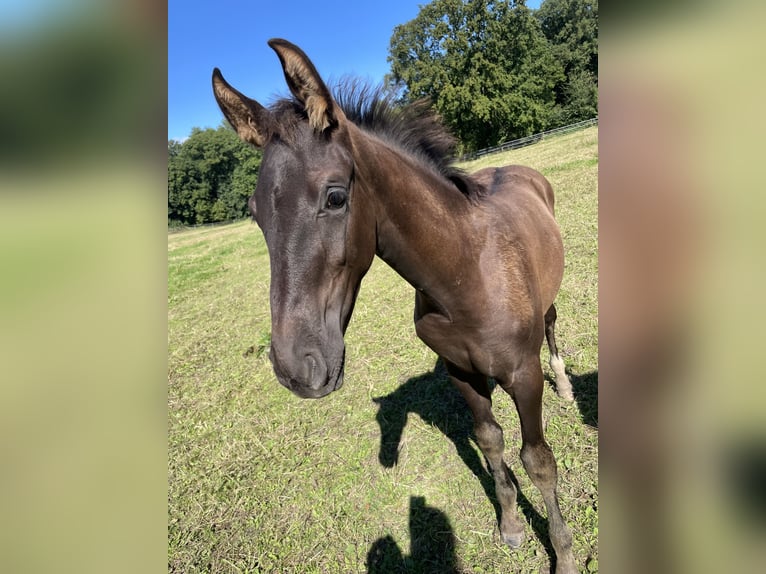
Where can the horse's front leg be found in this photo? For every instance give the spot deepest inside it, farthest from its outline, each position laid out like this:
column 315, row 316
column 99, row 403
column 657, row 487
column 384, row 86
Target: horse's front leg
column 489, row 436
column 525, row 385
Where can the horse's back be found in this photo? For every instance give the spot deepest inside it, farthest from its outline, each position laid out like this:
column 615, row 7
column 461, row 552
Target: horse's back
column 515, row 181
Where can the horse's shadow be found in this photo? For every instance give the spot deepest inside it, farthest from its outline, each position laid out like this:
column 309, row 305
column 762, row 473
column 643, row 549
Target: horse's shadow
column 432, row 546
column 432, row 397
column 585, row 389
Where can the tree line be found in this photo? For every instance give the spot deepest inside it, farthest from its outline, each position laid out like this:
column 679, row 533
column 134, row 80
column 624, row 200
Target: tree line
column 210, row 177
column 495, row 70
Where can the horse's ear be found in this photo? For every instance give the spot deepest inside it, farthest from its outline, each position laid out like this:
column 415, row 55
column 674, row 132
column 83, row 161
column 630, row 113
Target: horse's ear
column 306, row 85
column 249, row 118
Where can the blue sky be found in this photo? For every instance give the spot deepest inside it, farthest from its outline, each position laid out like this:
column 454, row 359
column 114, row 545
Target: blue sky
column 340, row 36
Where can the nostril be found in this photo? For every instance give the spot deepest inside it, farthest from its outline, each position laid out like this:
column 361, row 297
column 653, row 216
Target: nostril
column 311, row 365
column 316, row 372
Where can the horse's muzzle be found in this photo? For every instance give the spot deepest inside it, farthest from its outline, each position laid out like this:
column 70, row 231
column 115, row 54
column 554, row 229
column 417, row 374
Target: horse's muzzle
column 309, row 377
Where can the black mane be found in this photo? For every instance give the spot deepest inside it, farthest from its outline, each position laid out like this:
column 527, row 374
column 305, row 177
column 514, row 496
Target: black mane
column 415, row 128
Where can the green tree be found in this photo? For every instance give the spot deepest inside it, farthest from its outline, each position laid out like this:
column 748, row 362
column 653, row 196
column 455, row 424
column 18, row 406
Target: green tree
column 571, row 26
column 210, row 176
column 485, row 65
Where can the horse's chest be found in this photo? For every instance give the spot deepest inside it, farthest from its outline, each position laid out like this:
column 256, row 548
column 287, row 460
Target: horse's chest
column 482, row 339
column 458, row 343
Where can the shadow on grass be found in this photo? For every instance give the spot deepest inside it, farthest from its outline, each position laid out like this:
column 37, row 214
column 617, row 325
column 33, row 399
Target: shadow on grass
column 433, row 398
column 585, row 389
column 432, row 546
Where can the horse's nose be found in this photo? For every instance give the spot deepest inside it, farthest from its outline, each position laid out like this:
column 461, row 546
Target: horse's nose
column 307, row 370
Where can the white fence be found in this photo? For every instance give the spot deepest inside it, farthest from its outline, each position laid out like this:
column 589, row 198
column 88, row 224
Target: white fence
column 529, row 140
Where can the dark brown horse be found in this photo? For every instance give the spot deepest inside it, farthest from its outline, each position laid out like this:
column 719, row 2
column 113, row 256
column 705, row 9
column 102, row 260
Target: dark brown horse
column 347, row 177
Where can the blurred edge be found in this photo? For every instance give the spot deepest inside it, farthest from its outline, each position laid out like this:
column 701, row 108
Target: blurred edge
column 681, row 242
column 82, row 286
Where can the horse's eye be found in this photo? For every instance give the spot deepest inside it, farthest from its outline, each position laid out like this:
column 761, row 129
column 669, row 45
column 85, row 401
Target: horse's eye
column 336, row 198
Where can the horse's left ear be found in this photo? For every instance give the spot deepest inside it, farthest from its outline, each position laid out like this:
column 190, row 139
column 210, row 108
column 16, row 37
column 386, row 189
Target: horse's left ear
column 306, row 85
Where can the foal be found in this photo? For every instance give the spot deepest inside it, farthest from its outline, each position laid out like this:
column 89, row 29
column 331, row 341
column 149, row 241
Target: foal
column 345, row 178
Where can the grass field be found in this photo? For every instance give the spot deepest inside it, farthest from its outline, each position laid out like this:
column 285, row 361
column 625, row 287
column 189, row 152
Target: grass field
column 383, row 475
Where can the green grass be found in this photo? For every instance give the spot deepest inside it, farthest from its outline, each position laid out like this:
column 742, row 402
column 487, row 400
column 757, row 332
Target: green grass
column 261, row 481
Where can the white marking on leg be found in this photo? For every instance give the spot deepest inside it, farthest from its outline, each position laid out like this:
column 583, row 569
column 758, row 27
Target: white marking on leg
column 563, row 384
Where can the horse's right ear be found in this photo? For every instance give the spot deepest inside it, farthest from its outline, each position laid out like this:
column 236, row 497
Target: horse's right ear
column 249, row 118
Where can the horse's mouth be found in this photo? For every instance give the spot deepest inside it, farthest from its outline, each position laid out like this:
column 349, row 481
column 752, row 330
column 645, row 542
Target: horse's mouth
column 305, row 392
column 333, row 383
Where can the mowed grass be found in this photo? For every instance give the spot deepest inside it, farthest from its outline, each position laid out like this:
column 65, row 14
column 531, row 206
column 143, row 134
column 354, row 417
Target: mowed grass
column 383, row 475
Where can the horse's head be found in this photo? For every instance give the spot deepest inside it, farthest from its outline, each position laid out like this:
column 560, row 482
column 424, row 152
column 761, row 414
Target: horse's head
column 320, row 239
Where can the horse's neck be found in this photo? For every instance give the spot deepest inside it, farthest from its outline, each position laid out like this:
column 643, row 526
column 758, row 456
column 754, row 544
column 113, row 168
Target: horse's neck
column 423, row 225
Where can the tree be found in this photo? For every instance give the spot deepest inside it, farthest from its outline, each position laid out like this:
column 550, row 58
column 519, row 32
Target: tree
column 571, row 26
column 485, row 65
column 210, row 176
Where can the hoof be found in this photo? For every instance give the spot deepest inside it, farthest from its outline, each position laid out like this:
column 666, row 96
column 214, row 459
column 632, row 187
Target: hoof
column 513, row 540
column 568, row 567
column 565, row 394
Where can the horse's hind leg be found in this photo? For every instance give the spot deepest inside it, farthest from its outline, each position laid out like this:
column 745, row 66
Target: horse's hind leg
column 563, row 384
column 525, row 385
column 489, row 436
